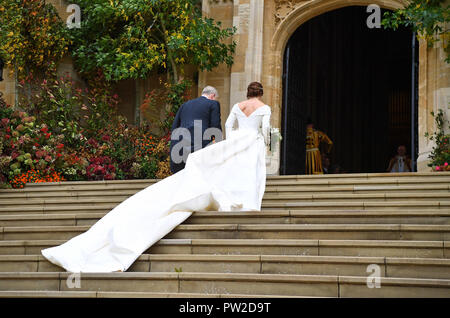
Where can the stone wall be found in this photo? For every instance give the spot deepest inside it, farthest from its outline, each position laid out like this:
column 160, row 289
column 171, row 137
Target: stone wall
column 223, row 11
column 131, row 92
column 8, row 87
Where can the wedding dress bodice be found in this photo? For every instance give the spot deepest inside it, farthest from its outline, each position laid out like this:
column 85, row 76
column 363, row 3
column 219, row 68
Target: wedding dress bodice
column 259, row 121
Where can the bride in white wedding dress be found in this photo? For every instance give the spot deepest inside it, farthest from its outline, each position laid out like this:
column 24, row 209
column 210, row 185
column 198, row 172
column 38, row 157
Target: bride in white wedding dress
column 229, row 175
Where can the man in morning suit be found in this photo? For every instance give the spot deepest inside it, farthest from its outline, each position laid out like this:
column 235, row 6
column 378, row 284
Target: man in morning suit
column 196, row 124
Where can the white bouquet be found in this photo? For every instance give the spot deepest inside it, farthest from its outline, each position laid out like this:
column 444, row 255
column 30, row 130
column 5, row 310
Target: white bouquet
column 275, row 138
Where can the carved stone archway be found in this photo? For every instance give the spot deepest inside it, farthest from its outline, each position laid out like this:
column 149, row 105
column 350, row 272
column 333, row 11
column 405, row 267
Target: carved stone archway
column 263, row 30
column 289, row 15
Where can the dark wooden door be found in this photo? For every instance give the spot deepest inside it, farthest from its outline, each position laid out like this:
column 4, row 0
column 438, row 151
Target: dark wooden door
column 354, row 83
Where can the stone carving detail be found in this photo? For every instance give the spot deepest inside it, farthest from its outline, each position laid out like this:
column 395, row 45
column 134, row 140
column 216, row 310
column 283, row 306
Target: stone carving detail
column 284, row 7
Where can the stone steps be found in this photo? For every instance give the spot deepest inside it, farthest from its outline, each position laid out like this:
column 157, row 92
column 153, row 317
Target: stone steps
column 129, row 188
column 437, row 216
column 224, row 283
column 257, row 231
column 286, row 206
column 101, row 294
column 370, row 248
column 275, row 199
column 434, row 268
column 291, row 194
column 315, row 237
column 318, row 181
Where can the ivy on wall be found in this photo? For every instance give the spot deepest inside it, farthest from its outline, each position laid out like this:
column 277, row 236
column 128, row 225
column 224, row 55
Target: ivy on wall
column 132, row 38
column 33, row 38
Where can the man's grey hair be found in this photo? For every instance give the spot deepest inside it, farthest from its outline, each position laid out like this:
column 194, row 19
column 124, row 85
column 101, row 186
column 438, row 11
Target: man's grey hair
column 208, row 90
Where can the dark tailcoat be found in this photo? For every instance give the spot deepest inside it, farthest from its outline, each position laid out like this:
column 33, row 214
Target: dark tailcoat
column 207, row 114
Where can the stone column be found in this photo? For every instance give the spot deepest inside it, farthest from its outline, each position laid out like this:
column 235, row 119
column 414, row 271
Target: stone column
column 219, row 77
column 248, row 19
column 434, row 94
column 254, row 54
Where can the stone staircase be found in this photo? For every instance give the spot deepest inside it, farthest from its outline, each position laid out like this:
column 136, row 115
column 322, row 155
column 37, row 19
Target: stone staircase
column 316, row 236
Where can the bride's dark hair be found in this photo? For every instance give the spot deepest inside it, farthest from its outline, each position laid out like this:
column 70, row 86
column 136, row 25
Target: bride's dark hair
column 255, row 89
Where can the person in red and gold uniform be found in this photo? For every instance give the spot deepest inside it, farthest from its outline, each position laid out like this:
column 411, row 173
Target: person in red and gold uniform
column 313, row 140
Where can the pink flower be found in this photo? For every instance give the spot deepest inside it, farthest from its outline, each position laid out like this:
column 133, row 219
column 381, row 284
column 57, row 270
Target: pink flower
column 48, row 158
column 446, row 164
column 99, row 170
column 438, row 168
column 106, row 138
column 40, row 154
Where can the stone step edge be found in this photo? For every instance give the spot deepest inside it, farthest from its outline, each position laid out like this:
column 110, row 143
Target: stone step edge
column 298, row 184
column 261, row 242
column 34, row 192
column 254, row 227
column 266, row 206
column 246, row 214
column 282, row 177
column 269, row 188
column 105, row 294
column 270, row 182
column 240, row 277
column 303, row 197
column 264, row 259
column 232, row 214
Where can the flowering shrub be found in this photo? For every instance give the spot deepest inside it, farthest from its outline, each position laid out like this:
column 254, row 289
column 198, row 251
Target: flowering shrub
column 145, row 145
column 62, row 132
column 173, row 96
column 26, row 146
column 75, row 167
column 69, row 109
column 35, row 176
column 101, row 168
column 440, row 155
column 176, row 96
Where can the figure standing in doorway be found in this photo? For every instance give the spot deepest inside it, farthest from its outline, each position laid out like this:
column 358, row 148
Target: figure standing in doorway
column 313, row 140
column 401, row 162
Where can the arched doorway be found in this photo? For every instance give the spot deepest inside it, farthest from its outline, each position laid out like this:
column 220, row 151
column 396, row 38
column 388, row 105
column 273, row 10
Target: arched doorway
column 355, row 83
